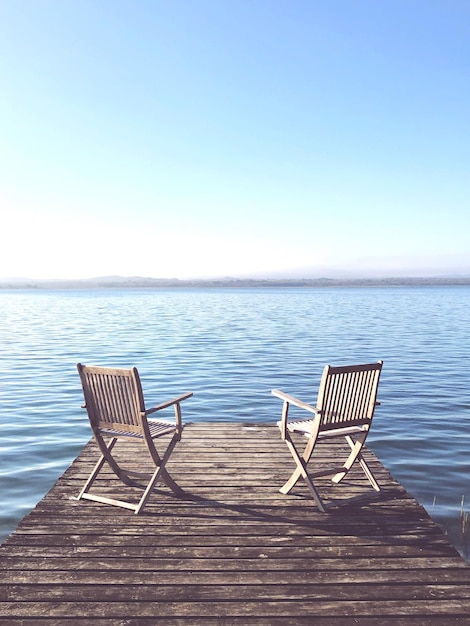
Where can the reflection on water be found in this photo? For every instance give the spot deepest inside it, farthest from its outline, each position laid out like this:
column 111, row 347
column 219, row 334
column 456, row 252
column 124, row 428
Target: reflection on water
column 231, row 347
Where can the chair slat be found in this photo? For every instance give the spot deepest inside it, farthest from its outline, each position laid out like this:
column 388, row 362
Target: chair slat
column 114, row 399
column 347, row 396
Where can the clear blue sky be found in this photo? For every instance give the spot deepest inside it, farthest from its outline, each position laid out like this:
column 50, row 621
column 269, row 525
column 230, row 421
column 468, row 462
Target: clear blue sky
column 193, row 138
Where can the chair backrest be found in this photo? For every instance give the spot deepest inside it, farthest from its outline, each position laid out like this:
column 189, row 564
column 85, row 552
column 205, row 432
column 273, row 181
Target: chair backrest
column 113, row 398
column 347, row 395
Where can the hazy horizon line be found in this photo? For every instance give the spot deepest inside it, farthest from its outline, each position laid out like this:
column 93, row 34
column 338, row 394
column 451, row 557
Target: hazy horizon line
column 344, row 277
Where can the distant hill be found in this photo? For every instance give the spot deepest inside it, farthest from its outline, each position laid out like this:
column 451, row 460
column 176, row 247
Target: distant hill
column 139, row 282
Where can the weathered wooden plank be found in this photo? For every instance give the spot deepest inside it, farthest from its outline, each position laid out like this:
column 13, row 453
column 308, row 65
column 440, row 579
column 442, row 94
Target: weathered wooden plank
column 267, row 609
column 242, row 592
column 336, row 620
column 35, row 539
column 123, row 577
column 242, row 621
column 238, row 565
column 292, row 554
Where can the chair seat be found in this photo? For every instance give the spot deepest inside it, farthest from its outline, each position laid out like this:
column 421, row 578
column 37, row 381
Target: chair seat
column 304, row 427
column 157, row 429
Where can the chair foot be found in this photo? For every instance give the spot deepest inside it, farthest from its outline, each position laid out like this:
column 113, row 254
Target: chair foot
column 338, row 477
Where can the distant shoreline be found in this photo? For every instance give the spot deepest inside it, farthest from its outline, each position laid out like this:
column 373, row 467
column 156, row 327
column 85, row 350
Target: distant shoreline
column 119, row 282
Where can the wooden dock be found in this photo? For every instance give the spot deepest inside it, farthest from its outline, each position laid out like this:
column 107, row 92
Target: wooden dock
column 234, row 550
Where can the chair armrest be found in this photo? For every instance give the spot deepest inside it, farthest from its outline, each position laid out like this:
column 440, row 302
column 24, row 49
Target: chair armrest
column 288, row 400
column 176, row 402
column 168, row 403
column 292, row 400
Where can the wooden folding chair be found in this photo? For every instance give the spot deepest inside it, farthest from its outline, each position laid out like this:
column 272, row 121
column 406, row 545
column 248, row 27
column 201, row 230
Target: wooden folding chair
column 347, row 398
column 115, row 405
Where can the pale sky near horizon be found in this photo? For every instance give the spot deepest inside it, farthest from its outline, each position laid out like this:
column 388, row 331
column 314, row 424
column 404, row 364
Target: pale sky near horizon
column 195, row 138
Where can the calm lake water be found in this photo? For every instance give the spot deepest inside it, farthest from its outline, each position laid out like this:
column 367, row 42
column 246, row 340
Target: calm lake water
column 231, row 347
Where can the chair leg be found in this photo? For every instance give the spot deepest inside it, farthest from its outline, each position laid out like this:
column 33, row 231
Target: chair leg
column 297, row 473
column 301, row 471
column 96, row 470
column 91, row 477
column 355, row 454
column 159, row 473
column 368, row 472
column 161, row 462
column 122, row 474
column 105, row 457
